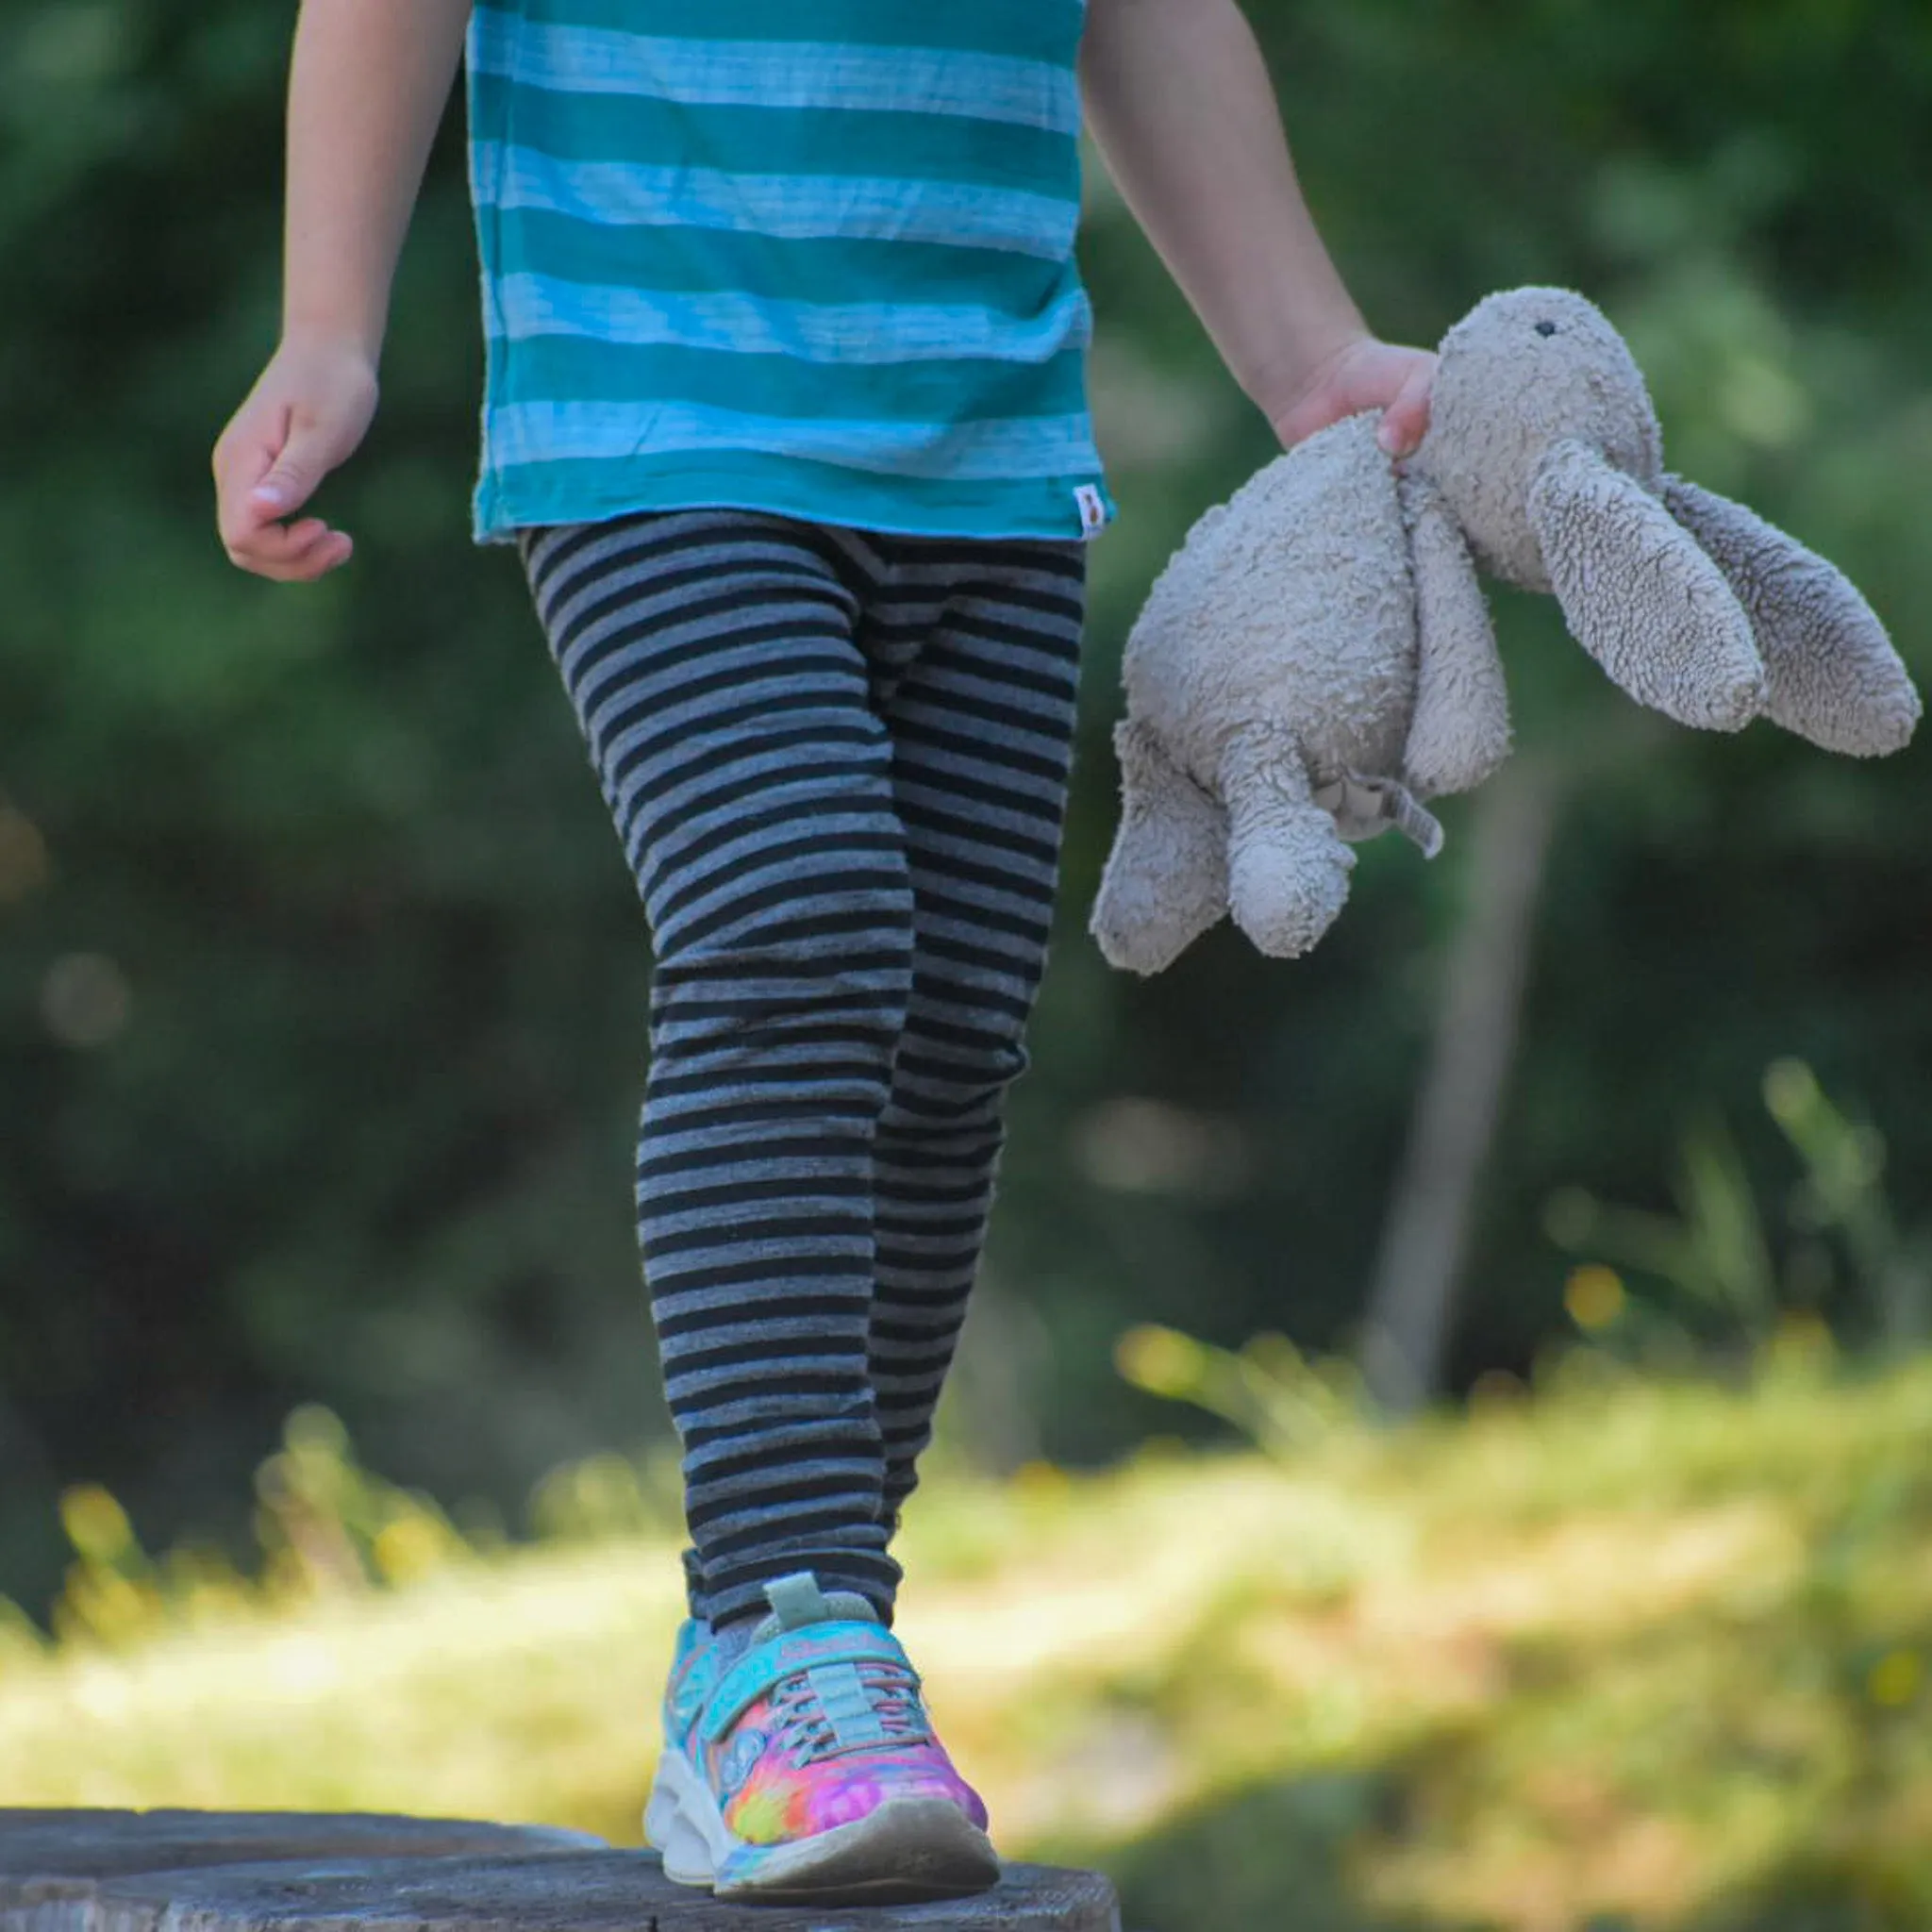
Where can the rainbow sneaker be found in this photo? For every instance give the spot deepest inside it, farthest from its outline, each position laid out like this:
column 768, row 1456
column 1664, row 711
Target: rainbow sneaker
column 805, row 1770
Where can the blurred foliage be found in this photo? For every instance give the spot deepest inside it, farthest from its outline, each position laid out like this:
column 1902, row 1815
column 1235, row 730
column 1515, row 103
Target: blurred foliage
column 1609, row 1651
column 1719, row 1294
column 322, row 983
column 322, row 1527
column 1266, row 1388
column 1843, row 1244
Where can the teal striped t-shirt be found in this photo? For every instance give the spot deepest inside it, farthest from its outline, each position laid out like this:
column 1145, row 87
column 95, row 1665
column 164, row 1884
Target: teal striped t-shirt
column 810, row 256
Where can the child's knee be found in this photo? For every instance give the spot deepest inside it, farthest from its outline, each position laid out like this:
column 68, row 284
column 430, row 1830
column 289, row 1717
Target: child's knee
column 811, row 976
column 957, row 1073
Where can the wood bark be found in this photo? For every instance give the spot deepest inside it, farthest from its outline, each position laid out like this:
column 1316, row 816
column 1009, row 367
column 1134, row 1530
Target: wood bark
column 193, row 1872
column 1425, row 1237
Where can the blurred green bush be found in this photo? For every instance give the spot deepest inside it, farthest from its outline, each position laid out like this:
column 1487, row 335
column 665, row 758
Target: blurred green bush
column 322, row 984
column 1610, row 1650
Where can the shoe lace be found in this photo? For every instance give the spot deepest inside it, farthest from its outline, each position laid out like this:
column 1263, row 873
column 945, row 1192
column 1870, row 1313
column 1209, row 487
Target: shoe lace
column 806, row 1733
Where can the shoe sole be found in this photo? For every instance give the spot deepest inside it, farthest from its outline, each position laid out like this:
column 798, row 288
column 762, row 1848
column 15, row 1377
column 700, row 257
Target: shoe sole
column 908, row 1850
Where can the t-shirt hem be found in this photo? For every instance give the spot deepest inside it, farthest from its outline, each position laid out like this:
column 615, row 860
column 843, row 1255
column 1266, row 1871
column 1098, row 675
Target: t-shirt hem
column 928, row 510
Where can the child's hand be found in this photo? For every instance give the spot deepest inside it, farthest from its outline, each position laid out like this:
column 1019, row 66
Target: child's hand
column 1366, row 374
column 311, row 407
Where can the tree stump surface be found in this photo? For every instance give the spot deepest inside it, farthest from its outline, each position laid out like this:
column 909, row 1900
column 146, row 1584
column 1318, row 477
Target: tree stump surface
column 290, row 1872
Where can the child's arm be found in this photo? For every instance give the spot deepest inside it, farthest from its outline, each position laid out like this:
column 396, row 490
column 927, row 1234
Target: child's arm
column 1180, row 101
column 366, row 89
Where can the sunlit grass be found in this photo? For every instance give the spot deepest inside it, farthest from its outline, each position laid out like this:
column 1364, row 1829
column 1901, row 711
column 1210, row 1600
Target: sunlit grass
column 1621, row 1648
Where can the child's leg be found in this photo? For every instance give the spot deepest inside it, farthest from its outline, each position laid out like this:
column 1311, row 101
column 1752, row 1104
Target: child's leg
column 977, row 646
column 711, row 659
column 735, row 726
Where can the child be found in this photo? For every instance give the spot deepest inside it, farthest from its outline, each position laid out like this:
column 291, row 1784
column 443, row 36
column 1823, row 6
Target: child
column 786, row 415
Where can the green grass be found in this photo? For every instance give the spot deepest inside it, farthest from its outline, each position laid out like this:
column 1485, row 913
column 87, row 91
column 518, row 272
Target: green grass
column 1621, row 1654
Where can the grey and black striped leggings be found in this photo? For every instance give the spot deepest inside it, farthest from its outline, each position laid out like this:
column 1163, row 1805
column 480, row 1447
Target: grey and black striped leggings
column 838, row 763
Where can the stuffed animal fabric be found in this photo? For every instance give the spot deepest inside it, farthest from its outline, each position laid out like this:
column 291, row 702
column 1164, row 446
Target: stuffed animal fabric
column 1318, row 659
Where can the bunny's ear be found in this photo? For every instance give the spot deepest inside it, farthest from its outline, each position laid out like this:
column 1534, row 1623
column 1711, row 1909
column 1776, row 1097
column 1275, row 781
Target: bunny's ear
column 1832, row 674
column 1640, row 597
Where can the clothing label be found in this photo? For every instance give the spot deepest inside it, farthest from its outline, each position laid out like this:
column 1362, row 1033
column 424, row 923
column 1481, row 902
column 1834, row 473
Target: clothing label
column 1092, row 509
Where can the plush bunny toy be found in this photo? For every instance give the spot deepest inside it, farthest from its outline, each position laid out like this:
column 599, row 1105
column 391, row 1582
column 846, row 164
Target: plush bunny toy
column 1318, row 659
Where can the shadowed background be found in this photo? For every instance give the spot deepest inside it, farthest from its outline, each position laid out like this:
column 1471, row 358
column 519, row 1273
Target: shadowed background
column 322, row 980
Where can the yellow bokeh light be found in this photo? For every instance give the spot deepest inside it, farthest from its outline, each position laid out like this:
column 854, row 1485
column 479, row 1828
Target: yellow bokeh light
column 1594, row 1297
column 1160, row 1361
column 95, row 1524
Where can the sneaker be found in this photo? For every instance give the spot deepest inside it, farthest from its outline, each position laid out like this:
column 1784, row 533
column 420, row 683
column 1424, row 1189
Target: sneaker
column 805, row 1768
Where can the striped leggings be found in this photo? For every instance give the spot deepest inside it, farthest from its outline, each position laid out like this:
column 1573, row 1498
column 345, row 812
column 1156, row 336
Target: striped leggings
column 837, row 764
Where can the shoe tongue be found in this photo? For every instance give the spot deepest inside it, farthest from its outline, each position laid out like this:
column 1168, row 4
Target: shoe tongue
column 797, row 1601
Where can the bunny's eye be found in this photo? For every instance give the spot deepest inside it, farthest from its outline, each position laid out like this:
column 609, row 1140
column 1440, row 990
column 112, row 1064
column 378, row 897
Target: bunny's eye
column 1546, row 328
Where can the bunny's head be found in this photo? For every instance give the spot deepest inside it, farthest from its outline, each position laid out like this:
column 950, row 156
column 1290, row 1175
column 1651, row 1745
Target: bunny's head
column 1521, row 373
column 1544, row 446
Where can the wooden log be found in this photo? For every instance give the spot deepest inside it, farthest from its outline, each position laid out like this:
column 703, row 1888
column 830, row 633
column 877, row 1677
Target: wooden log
column 48, row 1856
column 50, row 1859
column 191, row 1872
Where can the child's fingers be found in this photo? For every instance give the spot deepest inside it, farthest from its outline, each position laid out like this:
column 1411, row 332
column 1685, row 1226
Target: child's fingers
column 1405, row 421
column 238, row 466
column 291, row 479
column 251, row 541
column 250, row 525
column 304, row 540
column 334, row 550
column 291, row 553
column 320, row 557
column 268, row 468
column 253, row 476
column 303, row 418
column 308, row 556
